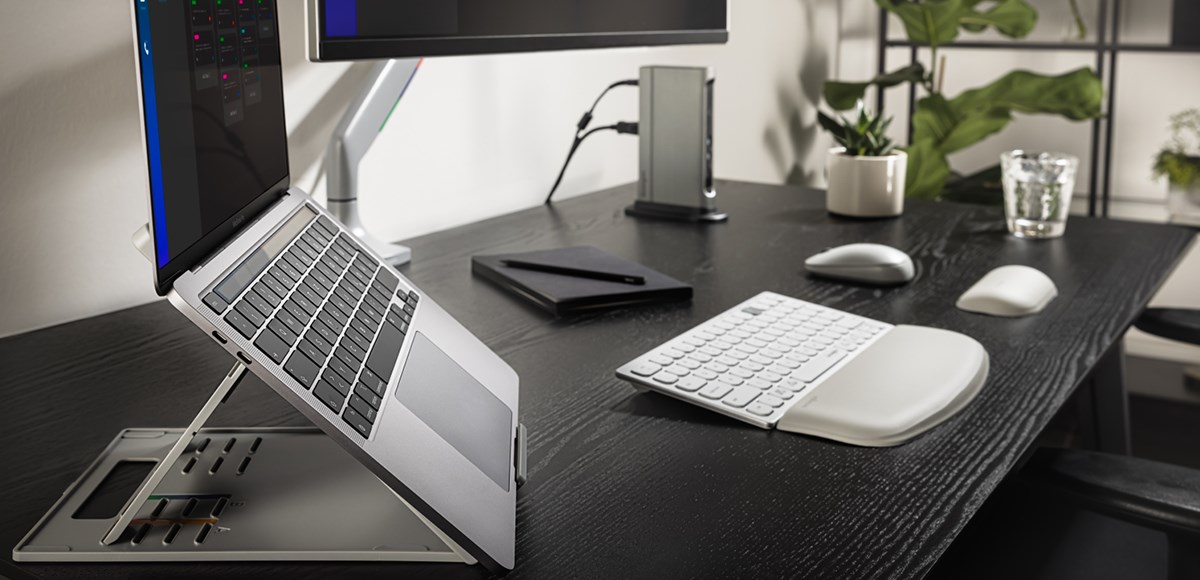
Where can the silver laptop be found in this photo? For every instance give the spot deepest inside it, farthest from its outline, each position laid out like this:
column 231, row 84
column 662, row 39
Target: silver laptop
column 271, row 277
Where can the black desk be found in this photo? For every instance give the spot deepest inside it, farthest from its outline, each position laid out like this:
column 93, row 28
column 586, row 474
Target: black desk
column 636, row 485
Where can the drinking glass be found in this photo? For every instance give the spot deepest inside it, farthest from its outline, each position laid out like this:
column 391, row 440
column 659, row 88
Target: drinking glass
column 1037, row 192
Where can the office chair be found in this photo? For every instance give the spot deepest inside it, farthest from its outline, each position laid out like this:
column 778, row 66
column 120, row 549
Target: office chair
column 1072, row 513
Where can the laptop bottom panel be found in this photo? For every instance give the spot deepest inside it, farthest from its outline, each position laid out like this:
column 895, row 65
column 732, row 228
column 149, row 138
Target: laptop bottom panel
column 235, row 494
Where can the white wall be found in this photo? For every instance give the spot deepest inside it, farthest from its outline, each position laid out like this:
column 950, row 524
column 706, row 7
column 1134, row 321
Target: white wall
column 475, row 137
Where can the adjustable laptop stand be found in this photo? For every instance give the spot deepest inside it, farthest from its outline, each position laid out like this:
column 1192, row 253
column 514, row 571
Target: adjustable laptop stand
column 274, row 493
column 234, row 494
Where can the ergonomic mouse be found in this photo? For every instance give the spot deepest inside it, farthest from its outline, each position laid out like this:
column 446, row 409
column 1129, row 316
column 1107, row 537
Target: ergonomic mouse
column 869, row 263
column 1009, row 291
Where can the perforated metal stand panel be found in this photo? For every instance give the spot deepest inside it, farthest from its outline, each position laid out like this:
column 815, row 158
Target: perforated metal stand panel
column 235, row 494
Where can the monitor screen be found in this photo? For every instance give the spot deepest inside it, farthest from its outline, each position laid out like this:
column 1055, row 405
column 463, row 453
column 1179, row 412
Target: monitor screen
column 212, row 99
column 364, row 29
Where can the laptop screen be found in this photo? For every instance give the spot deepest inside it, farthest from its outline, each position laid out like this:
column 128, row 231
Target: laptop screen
column 212, row 96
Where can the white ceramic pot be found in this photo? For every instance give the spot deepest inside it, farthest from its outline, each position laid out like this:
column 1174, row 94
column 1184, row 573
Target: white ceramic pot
column 1184, row 203
column 866, row 186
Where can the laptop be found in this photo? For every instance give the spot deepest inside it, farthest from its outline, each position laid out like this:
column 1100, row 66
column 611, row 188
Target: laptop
column 359, row 349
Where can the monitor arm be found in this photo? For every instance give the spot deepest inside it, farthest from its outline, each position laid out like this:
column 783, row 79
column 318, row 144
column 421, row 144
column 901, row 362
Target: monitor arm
column 353, row 137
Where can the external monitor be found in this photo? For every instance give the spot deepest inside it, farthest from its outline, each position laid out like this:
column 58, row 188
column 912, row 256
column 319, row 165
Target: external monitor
column 378, row 29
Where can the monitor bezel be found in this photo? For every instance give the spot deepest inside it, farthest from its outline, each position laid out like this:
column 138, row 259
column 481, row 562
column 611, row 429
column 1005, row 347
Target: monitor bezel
column 346, row 49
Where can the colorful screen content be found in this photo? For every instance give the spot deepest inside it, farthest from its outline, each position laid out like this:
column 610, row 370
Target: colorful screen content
column 492, row 18
column 212, row 94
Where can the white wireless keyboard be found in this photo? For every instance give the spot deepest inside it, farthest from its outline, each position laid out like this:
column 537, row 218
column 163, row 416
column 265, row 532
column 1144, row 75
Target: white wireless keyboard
column 758, row 359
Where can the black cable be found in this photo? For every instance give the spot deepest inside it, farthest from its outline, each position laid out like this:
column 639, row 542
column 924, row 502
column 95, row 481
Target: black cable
column 582, row 132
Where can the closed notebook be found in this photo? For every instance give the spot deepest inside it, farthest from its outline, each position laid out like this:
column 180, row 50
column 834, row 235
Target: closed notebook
column 562, row 294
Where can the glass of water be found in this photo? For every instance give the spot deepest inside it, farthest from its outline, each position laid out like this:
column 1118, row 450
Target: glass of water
column 1037, row 192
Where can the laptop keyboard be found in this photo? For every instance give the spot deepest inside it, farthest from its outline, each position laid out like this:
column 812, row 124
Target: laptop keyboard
column 320, row 307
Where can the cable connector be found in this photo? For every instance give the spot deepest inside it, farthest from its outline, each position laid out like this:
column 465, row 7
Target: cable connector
column 582, row 132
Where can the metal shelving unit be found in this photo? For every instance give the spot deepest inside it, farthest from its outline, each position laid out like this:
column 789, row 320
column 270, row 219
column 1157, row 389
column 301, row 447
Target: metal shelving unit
column 1107, row 47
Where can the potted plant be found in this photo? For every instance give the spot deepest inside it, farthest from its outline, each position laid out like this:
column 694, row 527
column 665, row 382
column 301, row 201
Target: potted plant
column 866, row 173
column 944, row 124
column 1179, row 162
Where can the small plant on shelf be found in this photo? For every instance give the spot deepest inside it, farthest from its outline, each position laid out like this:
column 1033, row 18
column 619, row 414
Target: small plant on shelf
column 1179, row 163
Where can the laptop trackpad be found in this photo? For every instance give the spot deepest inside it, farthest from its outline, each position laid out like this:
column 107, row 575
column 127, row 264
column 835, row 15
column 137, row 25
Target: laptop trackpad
column 458, row 408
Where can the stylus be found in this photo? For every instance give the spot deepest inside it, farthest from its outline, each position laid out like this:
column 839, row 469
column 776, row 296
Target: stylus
column 576, row 272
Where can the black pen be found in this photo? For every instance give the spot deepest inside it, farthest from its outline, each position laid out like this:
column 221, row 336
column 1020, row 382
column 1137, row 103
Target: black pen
column 576, row 272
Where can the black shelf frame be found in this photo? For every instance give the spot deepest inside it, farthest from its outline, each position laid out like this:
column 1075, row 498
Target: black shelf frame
column 1106, row 48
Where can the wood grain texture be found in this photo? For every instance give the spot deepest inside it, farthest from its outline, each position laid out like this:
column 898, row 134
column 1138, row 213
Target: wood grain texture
column 634, row 485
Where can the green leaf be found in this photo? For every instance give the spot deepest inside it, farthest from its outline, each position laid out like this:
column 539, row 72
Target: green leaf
column 931, row 22
column 1076, row 95
column 928, row 170
column 933, row 119
column 1012, row 18
column 843, row 96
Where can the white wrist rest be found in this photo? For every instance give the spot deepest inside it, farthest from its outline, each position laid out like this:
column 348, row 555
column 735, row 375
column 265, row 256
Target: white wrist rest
column 905, row 383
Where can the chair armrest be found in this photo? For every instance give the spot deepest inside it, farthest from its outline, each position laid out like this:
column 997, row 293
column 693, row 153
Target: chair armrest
column 1172, row 323
column 1147, row 493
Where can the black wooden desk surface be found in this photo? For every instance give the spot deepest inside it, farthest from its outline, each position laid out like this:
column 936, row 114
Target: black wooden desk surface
column 624, row 484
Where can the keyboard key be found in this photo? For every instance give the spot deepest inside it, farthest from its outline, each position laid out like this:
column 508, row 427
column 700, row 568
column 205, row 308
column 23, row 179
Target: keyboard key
column 340, row 367
column 371, row 397
column 770, row 401
column 215, row 302
column 383, row 355
column 660, row 360
column 239, row 323
column 251, row 313
column 327, row 225
column 645, row 369
column 295, row 310
column 358, row 352
column 759, row 409
column 666, row 378
column 678, row 370
column 321, row 344
column 313, row 352
column 673, row 353
column 273, row 298
column 816, row 367
column 690, row 384
column 279, row 328
column 372, row 381
column 357, row 421
column 302, row 368
column 347, row 357
column 389, row 280
column 342, row 385
column 362, row 408
column 322, row 330
column 715, row 390
column 782, row 393
column 705, row 374
column 329, row 395
column 740, row 397
column 759, row 384
column 359, row 341
column 272, row 346
column 289, row 320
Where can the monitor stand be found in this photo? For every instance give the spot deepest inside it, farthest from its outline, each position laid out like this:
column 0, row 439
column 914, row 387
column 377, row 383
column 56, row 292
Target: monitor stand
column 233, row 494
column 355, row 133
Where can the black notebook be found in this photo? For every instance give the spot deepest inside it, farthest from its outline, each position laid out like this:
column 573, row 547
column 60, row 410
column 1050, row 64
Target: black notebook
column 561, row 294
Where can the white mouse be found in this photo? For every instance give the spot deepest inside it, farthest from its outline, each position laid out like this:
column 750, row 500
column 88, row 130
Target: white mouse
column 1009, row 291
column 870, row 263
